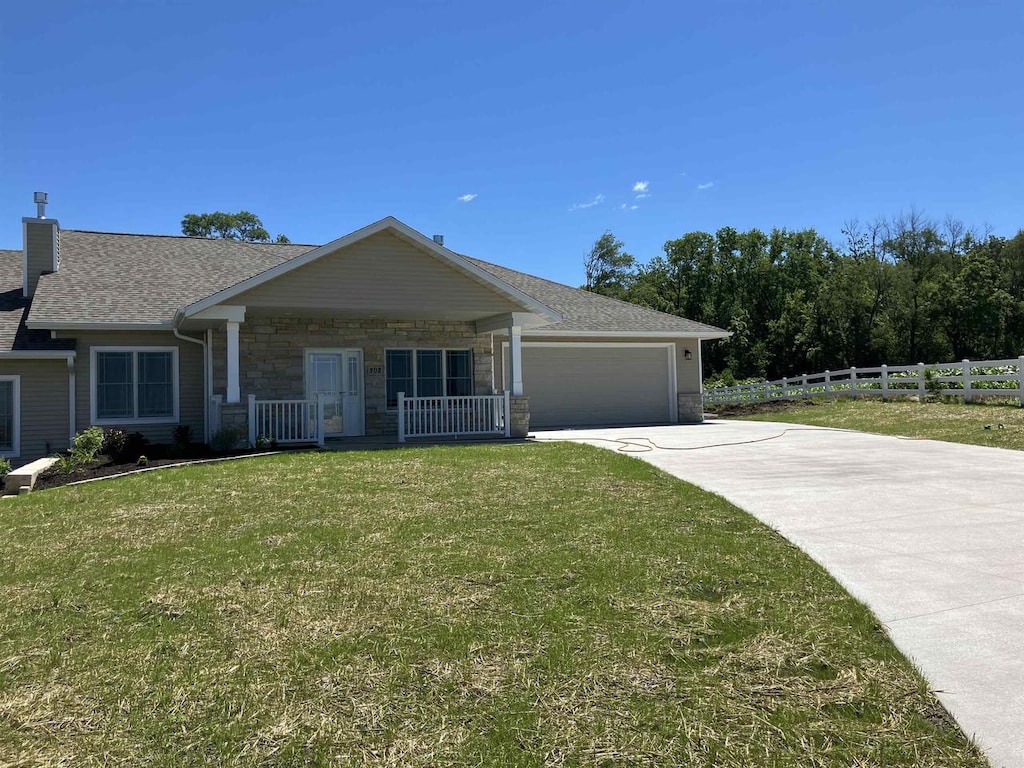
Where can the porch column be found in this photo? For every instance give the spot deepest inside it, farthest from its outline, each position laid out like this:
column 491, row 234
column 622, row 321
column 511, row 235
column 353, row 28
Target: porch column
column 515, row 360
column 234, row 395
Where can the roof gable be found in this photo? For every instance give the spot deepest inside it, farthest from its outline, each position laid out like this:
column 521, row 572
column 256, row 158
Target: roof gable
column 492, row 283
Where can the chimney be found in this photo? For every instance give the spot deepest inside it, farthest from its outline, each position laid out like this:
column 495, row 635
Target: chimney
column 41, row 253
column 439, row 239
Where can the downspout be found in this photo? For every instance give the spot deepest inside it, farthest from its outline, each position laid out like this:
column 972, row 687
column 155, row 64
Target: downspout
column 206, row 399
column 72, row 418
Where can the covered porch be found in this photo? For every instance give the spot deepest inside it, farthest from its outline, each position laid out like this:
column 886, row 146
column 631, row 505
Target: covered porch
column 382, row 332
column 280, row 380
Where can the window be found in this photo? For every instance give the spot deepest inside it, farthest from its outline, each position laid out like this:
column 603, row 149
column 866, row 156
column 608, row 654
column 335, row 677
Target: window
column 134, row 384
column 428, row 373
column 10, row 415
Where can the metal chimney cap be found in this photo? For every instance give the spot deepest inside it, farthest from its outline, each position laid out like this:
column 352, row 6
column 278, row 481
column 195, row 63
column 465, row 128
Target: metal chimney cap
column 439, row 239
column 40, row 200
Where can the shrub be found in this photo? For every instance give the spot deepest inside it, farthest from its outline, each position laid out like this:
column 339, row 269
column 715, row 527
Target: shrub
column 113, row 442
column 67, row 463
column 142, row 462
column 124, row 447
column 87, row 443
column 5, row 467
column 265, row 443
column 224, row 440
column 182, row 436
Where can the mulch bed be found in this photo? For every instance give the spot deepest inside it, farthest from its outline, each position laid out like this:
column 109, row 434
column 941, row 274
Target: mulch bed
column 104, row 467
column 772, row 406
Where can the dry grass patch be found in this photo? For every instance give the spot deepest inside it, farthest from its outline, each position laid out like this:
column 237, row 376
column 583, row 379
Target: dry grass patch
column 486, row 605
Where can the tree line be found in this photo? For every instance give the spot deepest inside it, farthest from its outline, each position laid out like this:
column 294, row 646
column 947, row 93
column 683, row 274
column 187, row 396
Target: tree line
column 897, row 290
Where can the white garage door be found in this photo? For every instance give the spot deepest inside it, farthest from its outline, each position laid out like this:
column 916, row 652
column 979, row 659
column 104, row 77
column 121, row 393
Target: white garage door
column 590, row 384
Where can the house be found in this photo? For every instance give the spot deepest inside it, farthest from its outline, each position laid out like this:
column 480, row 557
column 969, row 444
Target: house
column 382, row 331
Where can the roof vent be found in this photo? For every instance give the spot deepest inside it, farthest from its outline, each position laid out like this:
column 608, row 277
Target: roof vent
column 439, row 239
column 41, row 198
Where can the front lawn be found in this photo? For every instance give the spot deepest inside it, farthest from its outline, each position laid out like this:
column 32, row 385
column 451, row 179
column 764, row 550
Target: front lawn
column 481, row 605
column 998, row 426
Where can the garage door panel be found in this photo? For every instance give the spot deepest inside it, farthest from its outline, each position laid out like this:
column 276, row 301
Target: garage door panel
column 581, row 385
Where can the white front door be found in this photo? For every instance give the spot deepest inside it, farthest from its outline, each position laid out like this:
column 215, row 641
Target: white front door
column 337, row 377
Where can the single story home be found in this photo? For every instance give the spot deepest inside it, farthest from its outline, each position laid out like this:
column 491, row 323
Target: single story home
column 382, row 331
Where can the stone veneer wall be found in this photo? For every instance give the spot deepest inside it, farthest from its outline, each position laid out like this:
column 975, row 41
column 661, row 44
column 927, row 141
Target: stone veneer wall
column 519, row 416
column 691, row 408
column 272, row 356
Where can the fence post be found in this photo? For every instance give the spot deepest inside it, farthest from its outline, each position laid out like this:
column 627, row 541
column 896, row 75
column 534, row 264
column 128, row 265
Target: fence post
column 920, row 382
column 853, row 382
column 885, row 382
column 828, row 383
column 1020, row 377
column 803, row 385
column 401, row 417
column 321, row 439
column 785, row 389
column 252, row 421
column 967, row 380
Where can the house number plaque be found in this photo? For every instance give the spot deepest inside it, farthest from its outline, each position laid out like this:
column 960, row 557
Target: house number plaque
column 375, row 370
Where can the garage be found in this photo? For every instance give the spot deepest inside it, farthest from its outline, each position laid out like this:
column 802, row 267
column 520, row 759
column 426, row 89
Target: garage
column 579, row 384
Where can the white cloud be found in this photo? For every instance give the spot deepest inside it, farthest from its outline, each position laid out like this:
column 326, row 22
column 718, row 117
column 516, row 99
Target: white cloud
column 706, row 185
column 641, row 197
column 628, row 207
column 466, row 198
column 598, row 199
column 641, row 186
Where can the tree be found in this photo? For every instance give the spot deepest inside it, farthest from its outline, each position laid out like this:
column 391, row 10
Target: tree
column 244, row 225
column 609, row 269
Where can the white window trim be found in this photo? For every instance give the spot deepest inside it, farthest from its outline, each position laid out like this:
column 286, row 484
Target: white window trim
column 444, row 368
column 16, row 421
column 172, row 419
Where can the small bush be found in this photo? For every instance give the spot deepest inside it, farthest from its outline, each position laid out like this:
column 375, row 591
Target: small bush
column 67, row 463
column 224, row 440
column 5, row 467
column 88, row 443
column 142, row 462
column 113, row 442
column 124, row 447
column 182, row 436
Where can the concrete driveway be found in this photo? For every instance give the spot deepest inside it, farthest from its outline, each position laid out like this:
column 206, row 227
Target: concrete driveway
column 929, row 535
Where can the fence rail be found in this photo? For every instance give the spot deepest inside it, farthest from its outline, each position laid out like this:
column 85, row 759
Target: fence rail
column 440, row 416
column 969, row 379
column 286, row 421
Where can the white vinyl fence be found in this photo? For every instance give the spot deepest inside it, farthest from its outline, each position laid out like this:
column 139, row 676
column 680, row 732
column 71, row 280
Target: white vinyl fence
column 969, row 379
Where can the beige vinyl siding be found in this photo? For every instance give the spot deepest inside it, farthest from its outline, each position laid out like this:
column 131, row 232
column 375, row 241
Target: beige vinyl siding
column 688, row 373
column 190, row 378
column 381, row 276
column 39, row 243
column 44, row 406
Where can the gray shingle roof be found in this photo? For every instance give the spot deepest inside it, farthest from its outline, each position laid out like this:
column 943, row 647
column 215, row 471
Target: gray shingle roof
column 120, row 278
column 588, row 312
column 13, row 308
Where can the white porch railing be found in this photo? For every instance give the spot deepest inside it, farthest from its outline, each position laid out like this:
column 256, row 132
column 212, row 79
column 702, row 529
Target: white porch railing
column 286, row 421
column 465, row 415
column 969, row 379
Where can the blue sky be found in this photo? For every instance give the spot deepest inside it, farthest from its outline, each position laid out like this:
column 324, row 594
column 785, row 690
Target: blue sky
column 561, row 119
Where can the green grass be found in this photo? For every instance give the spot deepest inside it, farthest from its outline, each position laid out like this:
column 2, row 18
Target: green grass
column 486, row 605
column 952, row 422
